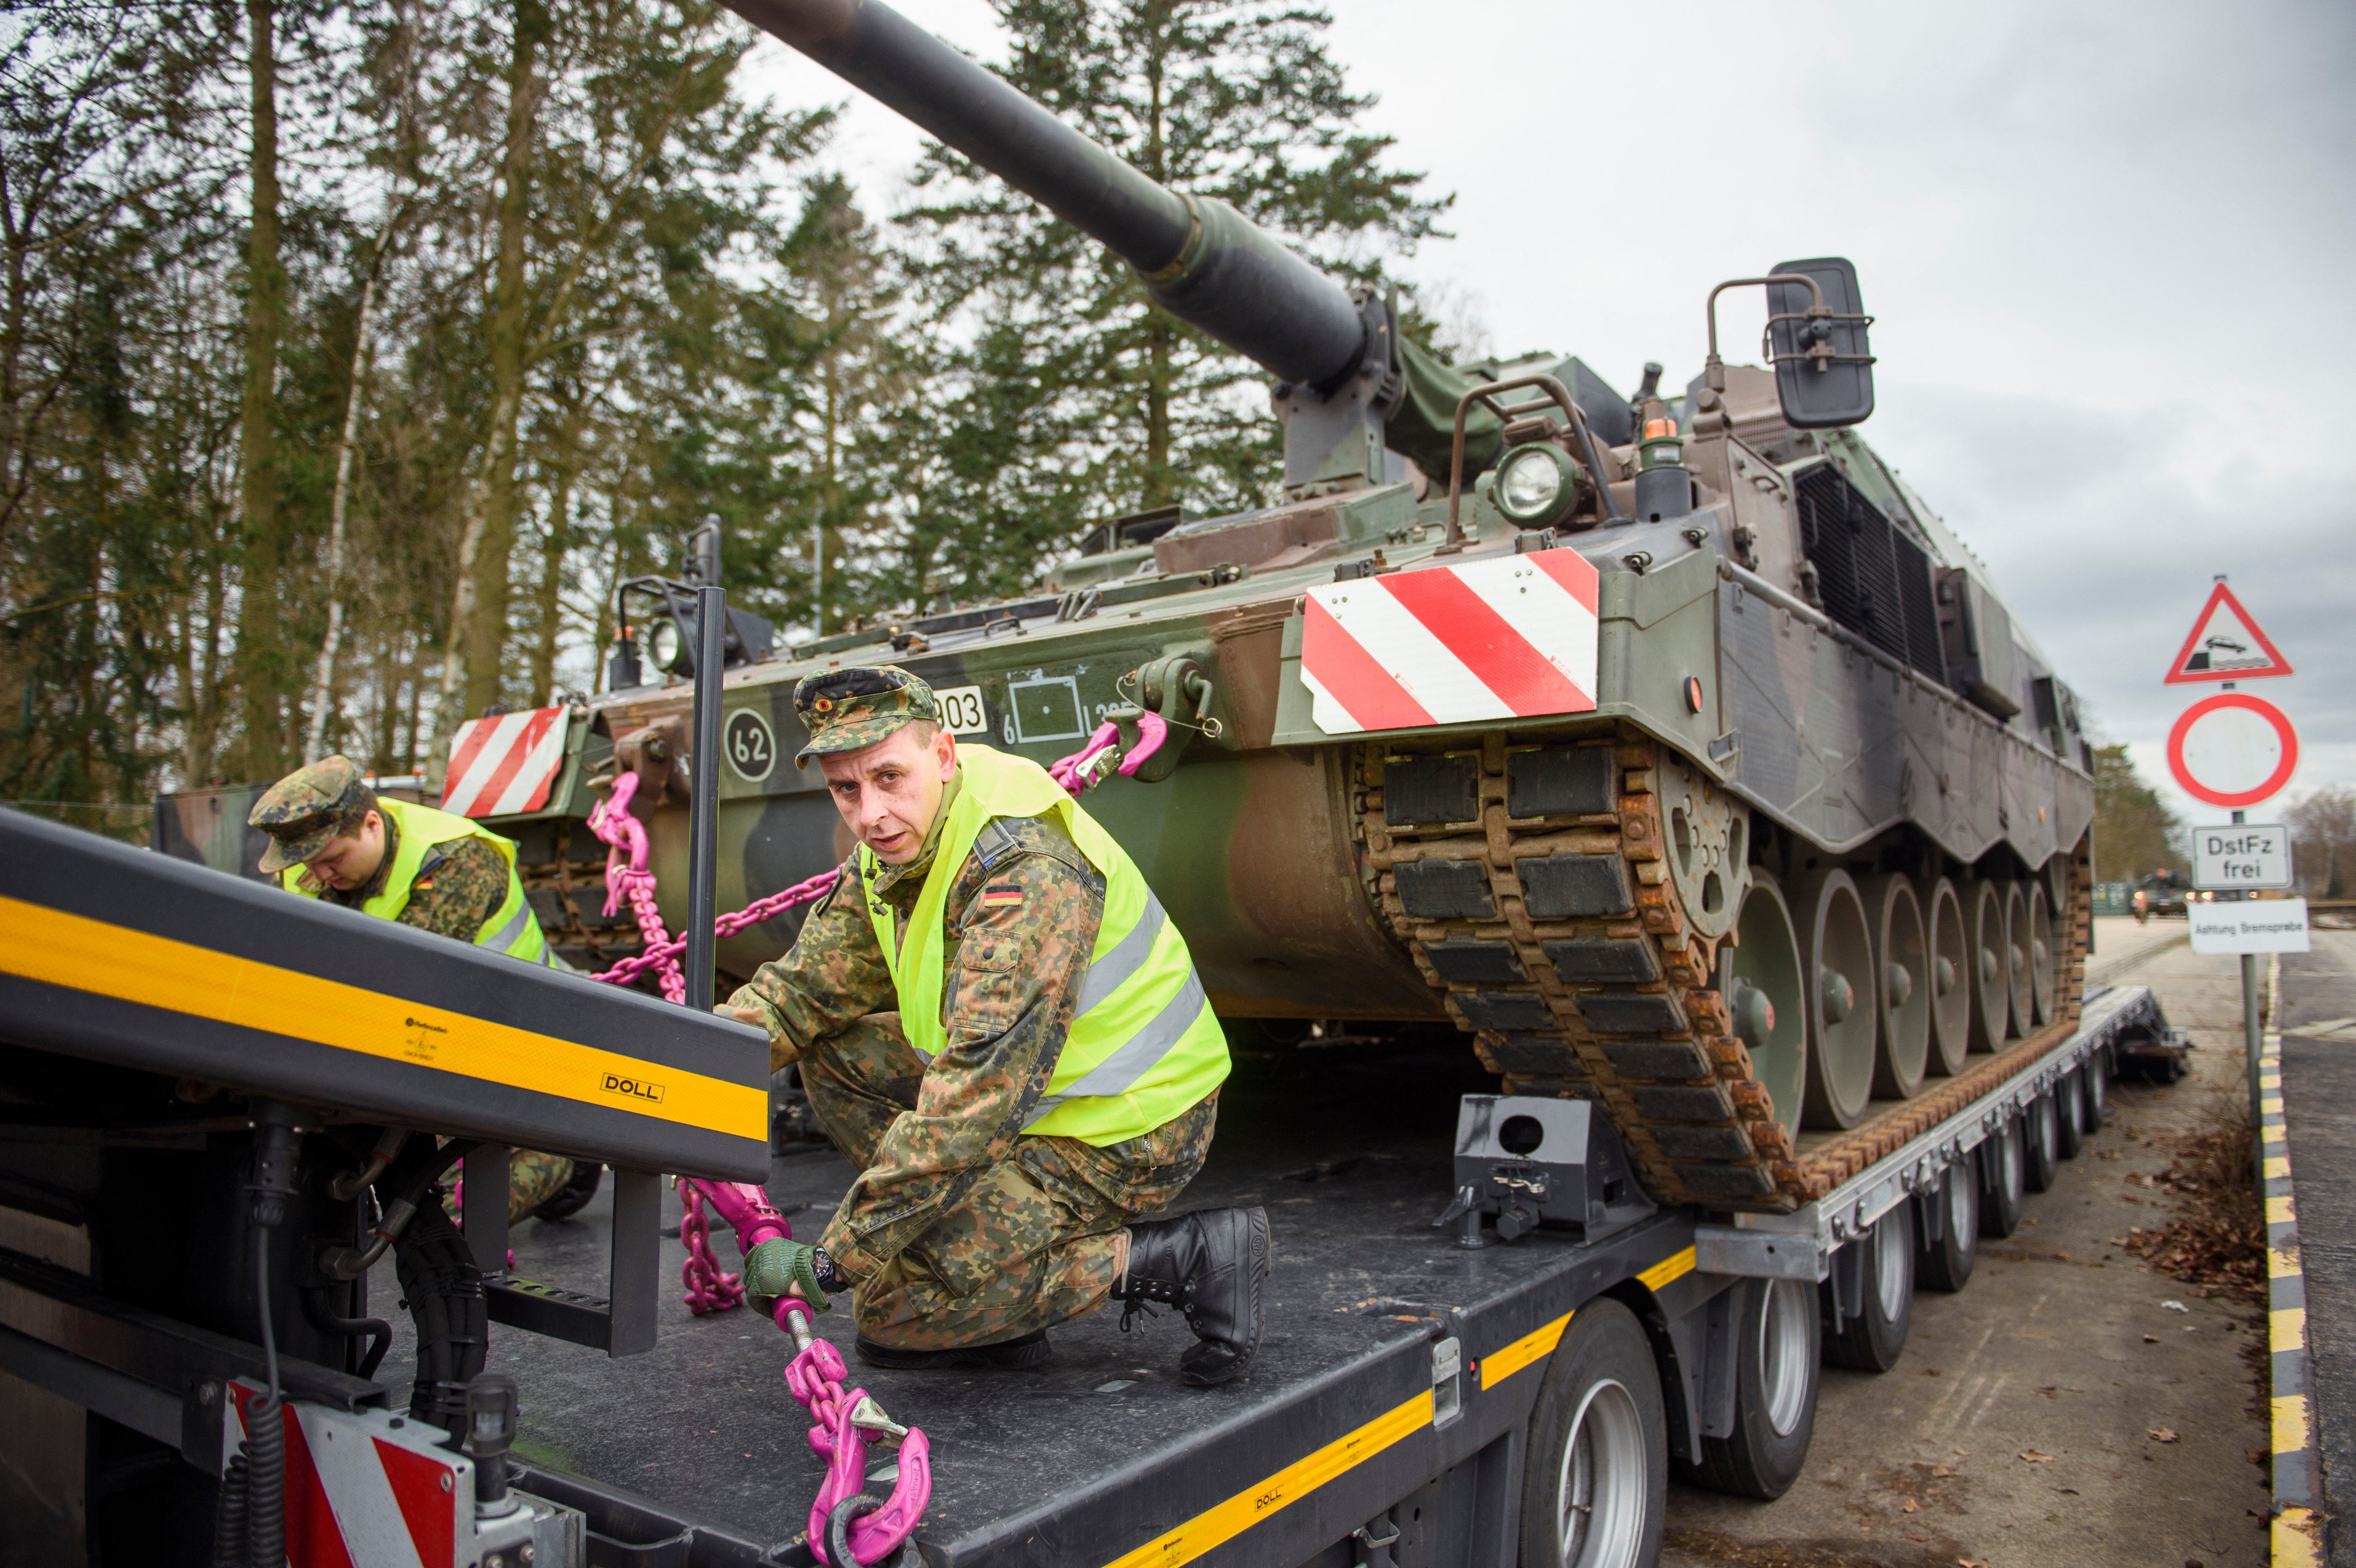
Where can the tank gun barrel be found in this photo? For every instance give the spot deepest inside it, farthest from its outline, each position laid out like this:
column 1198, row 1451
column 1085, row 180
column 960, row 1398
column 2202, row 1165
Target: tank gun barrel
column 1198, row 258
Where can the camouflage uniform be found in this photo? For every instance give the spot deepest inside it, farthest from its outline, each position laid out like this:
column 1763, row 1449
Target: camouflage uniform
column 962, row 1228
column 462, row 884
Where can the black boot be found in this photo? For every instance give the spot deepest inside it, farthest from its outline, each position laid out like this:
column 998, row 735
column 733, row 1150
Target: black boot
column 1024, row 1350
column 1211, row 1266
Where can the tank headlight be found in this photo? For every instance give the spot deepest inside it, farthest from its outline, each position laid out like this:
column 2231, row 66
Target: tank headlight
column 666, row 646
column 1536, row 486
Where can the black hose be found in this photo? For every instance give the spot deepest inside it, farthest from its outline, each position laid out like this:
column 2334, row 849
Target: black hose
column 265, row 1435
column 228, row 1518
column 445, row 1292
column 315, row 1307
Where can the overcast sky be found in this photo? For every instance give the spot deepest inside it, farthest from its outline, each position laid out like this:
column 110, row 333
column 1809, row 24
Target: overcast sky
column 2108, row 247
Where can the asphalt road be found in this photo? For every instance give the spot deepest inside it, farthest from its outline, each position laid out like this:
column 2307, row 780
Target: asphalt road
column 2018, row 1427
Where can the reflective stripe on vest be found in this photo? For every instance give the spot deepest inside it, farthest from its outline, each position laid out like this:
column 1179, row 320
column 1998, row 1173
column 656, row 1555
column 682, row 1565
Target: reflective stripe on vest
column 512, row 929
column 1144, row 1045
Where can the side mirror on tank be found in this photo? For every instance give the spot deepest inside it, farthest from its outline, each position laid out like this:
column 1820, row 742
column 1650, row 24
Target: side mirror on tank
column 1815, row 340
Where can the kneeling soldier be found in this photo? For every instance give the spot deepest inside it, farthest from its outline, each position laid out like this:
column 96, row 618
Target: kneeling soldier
column 998, row 1024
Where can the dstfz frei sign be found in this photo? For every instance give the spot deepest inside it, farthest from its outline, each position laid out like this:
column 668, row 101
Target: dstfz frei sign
column 2243, row 857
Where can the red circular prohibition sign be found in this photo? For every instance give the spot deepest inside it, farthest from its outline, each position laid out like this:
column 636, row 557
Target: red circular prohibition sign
column 2255, row 705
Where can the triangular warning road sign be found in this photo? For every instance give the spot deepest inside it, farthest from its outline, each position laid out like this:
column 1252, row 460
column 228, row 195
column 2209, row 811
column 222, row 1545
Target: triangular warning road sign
column 2226, row 644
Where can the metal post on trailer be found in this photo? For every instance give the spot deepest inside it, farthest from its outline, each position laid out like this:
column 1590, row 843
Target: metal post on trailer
column 703, row 779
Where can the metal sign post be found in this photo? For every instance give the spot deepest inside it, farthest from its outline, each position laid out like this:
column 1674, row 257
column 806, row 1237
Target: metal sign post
column 703, row 787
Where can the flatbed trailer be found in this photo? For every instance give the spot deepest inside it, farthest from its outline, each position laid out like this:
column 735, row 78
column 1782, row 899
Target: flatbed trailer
column 1395, row 1388
column 1417, row 1400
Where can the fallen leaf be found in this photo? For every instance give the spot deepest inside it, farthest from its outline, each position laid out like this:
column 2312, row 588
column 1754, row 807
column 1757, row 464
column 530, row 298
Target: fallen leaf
column 1943, row 1470
column 2064, row 1257
column 1912, row 1536
column 2151, row 1339
column 1908, row 1506
column 2176, row 1306
column 2165, row 1434
column 2036, row 1457
column 1931, row 1373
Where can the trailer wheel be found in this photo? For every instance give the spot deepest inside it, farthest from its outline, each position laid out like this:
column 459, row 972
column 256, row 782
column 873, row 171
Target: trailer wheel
column 2069, row 1116
column 2003, row 1178
column 2041, row 1147
column 1597, row 1485
column 2096, row 1081
column 1776, row 1373
column 1946, row 1263
column 1874, row 1338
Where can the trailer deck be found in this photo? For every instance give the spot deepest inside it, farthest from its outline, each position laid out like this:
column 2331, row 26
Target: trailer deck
column 1102, row 1453
column 1102, row 1457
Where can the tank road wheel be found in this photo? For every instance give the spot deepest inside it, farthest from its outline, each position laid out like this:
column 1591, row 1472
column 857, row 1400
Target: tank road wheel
column 1776, row 1374
column 2069, row 1116
column 1991, row 978
column 1872, row 1340
column 1902, row 968
column 1597, row 1486
column 2041, row 1145
column 1708, row 850
column 1839, row 952
column 2044, row 959
column 2003, row 1178
column 1766, row 1000
column 1951, row 977
column 2021, row 1004
column 1946, row 1263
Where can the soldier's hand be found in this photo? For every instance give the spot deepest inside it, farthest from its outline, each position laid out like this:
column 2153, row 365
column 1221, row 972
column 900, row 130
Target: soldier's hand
column 752, row 1016
column 782, row 1267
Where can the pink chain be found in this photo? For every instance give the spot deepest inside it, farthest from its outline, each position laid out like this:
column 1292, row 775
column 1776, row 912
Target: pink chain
column 815, row 1375
column 710, row 1288
column 628, row 876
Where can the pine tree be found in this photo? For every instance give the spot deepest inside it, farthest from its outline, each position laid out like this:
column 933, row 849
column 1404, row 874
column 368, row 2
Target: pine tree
column 1075, row 395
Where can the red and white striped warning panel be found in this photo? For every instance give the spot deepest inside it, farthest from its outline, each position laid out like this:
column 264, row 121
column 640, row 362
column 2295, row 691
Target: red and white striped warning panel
column 1511, row 638
column 365, row 1489
column 505, row 764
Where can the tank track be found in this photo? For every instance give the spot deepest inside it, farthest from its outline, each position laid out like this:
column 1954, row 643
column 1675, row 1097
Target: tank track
column 1529, row 884
column 562, row 868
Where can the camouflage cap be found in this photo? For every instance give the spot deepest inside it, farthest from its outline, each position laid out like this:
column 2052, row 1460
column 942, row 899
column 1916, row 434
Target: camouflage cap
column 844, row 709
column 310, row 806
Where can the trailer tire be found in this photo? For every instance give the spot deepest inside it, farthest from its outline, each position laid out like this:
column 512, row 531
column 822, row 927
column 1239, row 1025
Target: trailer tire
column 1776, row 1374
column 2040, row 1146
column 2096, row 1081
column 2069, row 1116
column 1596, row 1488
column 1874, row 1339
column 1946, row 1263
column 2003, row 1180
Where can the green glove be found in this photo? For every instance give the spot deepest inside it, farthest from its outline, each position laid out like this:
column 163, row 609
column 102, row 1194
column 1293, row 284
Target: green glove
column 777, row 1264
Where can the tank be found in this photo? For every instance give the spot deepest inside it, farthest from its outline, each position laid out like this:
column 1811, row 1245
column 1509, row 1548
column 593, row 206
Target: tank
column 1664, row 747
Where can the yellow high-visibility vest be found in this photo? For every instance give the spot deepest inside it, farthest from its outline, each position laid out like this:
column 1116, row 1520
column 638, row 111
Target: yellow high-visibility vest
column 1144, row 1045
column 512, row 929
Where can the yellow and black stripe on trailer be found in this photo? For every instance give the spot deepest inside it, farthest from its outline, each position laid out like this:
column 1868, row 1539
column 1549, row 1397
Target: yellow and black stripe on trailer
column 1423, row 1416
column 124, row 956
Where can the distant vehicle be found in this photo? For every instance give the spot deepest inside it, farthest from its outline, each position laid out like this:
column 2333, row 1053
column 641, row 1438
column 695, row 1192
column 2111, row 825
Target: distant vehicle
column 2165, row 893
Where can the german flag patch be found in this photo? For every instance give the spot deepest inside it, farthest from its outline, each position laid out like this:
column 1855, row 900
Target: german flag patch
column 1002, row 895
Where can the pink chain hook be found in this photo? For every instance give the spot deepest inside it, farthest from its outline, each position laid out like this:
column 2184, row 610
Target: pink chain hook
column 843, row 1423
